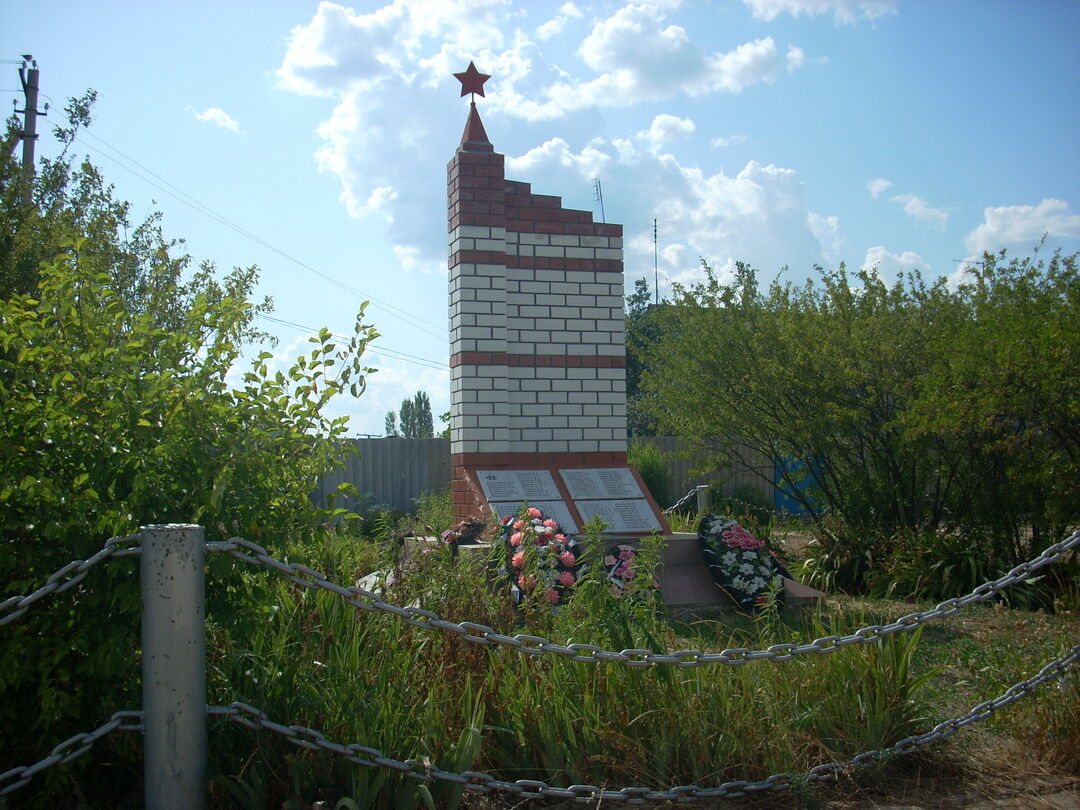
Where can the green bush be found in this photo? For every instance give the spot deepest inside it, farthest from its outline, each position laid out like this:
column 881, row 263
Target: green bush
column 108, row 422
column 650, row 463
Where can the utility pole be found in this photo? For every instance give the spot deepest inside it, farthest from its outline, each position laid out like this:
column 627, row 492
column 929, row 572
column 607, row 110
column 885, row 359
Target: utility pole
column 28, row 74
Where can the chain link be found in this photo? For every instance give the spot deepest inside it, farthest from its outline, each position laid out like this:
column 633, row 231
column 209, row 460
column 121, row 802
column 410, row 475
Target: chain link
column 69, row 749
column 423, row 770
column 682, row 501
column 537, row 645
column 15, row 606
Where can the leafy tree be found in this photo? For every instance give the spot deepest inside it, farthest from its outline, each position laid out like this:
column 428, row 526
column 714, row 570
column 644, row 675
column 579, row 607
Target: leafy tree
column 150, row 270
column 108, row 421
column 391, row 424
column 644, row 325
column 415, row 414
column 888, row 411
column 115, row 413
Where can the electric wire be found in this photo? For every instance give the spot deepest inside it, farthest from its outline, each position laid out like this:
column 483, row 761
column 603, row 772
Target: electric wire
column 193, row 203
column 393, row 353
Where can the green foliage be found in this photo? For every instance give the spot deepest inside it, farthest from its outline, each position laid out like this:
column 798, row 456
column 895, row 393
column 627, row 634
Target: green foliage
column 434, row 512
column 650, row 463
column 898, row 410
column 645, row 323
column 109, row 421
column 149, row 272
column 415, row 418
column 410, row 693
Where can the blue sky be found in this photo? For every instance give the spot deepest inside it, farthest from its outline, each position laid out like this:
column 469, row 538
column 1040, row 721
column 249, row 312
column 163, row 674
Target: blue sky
column 312, row 139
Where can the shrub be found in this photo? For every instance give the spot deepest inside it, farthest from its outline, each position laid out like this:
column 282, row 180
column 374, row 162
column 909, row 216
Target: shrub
column 109, row 422
column 650, row 463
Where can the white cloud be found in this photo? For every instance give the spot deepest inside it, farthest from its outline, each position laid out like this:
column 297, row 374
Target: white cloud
column 411, row 259
column 394, row 382
column 731, row 140
column 587, row 163
column 388, row 75
column 889, row 265
column 916, row 207
column 845, row 11
column 664, row 128
column 340, row 50
column 1013, row 224
column 219, row 118
column 877, row 186
column 640, row 58
column 566, row 13
column 827, row 231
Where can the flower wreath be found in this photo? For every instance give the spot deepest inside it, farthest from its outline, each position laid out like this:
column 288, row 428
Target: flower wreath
column 619, row 566
column 538, row 558
column 739, row 562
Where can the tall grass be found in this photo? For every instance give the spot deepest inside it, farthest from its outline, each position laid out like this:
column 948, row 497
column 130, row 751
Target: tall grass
column 411, row 693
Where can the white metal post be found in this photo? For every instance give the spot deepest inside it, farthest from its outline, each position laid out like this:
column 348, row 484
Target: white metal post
column 702, row 498
column 173, row 667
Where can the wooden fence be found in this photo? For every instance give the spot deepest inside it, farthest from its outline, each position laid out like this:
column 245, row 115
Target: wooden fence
column 394, row 472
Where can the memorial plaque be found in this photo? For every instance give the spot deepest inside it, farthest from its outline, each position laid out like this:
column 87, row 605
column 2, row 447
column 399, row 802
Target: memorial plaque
column 615, row 482
column 633, row 516
column 556, row 510
column 518, row 485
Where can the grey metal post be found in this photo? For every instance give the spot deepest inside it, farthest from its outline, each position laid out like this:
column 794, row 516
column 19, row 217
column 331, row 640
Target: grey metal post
column 173, row 667
column 702, row 498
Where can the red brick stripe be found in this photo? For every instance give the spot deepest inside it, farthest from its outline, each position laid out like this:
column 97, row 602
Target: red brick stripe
column 535, row 360
column 529, row 461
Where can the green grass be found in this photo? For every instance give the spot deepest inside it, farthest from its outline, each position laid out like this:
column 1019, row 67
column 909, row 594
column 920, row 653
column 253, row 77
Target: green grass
column 413, row 693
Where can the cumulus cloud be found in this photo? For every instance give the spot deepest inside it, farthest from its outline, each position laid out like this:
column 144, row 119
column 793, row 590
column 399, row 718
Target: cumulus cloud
column 731, row 140
column 587, row 163
column 387, row 73
column 844, row 11
column 219, row 118
column 1017, row 224
column 566, row 13
column 411, row 259
column 757, row 215
column 394, row 382
column 888, row 266
column 638, row 56
column 666, row 128
column 827, row 231
column 877, row 186
column 916, row 207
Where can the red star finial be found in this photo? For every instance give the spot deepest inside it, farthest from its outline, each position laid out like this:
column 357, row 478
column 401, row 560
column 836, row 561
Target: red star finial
column 472, row 81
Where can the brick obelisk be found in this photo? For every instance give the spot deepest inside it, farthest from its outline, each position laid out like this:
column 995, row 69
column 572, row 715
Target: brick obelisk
column 537, row 350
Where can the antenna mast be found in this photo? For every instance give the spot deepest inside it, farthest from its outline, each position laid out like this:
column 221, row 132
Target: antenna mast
column 655, row 265
column 598, row 195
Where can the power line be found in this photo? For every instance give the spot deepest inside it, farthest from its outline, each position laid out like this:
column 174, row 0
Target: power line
column 204, row 209
column 394, row 353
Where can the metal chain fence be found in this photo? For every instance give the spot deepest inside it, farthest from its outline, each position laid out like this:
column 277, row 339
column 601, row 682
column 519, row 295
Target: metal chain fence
column 79, row 745
column 304, row 737
column 537, row 645
column 423, row 770
column 72, row 573
column 15, row 606
column 685, row 499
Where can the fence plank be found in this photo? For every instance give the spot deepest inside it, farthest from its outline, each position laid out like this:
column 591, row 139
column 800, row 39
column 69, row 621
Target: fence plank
column 394, row 472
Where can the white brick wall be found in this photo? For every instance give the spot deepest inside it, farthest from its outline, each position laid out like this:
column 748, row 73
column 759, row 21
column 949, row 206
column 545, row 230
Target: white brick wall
column 574, row 313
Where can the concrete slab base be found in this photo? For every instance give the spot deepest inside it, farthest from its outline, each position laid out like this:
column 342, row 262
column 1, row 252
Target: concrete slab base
column 685, row 582
column 687, row 585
